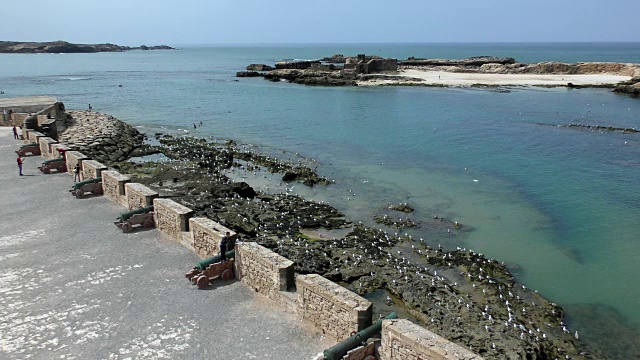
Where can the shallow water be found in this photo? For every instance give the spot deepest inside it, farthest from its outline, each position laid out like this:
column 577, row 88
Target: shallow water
column 560, row 206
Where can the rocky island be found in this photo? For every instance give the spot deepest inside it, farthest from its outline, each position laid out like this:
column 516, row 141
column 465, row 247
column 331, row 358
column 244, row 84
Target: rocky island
column 362, row 70
column 55, row 47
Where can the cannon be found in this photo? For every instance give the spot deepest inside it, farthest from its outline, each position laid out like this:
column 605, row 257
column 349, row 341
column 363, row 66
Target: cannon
column 142, row 216
column 212, row 268
column 93, row 186
column 32, row 149
column 339, row 350
column 59, row 164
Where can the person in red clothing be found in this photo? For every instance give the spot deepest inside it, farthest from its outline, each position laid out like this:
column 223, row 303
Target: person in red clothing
column 19, row 160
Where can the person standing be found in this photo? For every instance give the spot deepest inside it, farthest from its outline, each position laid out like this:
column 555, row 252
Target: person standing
column 15, row 132
column 223, row 246
column 19, row 160
column 76, row 173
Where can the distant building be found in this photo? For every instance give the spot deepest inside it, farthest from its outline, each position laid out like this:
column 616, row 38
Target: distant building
column 363, row 64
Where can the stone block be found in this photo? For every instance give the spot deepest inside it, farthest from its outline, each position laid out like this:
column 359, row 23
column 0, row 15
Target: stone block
column 25, row 135
column 361, row 352
column 263, row 270
column 113, row 186
column 206, row 235
column 45, row 147
column 331, row 308
column 34, row 137
column 58, row 150
column 404, row 340
column 92, row 169
column 73, row 158
column 171, row 218
column 138, row 196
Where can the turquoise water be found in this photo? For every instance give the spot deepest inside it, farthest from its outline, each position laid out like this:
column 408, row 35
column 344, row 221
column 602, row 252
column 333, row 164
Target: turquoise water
column 559, row 206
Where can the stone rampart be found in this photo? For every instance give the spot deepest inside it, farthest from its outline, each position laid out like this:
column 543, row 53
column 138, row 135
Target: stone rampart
column 263, row 270
column 74, row 158
column 404, row 340
column 206, row 235
column 45, row 147
column 113, row 186
column 330, row 307
column 58, row 150
column 34, row 137
column 172, row 218
column 92, row 169
column 138, row 196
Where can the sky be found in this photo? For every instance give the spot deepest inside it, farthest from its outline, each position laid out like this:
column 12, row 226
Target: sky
column 183, row 22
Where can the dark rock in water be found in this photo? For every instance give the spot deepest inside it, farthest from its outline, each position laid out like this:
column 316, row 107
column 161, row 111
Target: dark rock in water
column 259, row 67
column 248, row 74
column 289, row 176
column 244, row 190
column 401, row 207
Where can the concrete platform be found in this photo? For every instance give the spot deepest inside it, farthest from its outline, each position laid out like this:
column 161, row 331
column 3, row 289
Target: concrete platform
column 72, row 286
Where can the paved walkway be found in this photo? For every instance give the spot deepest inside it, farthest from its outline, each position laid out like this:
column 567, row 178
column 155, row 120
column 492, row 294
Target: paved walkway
column 72, row 286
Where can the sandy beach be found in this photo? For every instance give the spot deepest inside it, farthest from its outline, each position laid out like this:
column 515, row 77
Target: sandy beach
column 445, row 78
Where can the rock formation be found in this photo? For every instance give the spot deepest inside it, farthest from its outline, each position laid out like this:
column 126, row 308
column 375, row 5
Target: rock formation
column 101, row 137
column 13, row 47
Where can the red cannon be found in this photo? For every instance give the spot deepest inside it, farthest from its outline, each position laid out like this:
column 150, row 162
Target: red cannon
column 214, row 270
column 60, row 165
column 32, row 149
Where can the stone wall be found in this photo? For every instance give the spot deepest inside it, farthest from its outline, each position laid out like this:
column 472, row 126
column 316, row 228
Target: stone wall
column 113, row 186
column 74, row 158
column 34, row 137
column 92, row 169
column 263, row 270
column 171, row 218
column 55, row 150
column 335, row 310
column 206, row 235
column 45, row 147
column 138, row 196
column 404, row 340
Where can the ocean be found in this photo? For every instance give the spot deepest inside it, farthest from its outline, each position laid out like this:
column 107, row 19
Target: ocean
column 561, row 207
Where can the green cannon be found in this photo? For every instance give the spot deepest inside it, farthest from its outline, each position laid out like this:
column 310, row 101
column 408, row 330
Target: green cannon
column 339, row 350
column 142, row 216
column 33, row 149
column 59, row 164
column 212, row 268
column 93, row 186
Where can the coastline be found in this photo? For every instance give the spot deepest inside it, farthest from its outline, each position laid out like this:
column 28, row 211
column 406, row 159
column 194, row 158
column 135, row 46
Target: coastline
column 437, row 78
column 457, row 294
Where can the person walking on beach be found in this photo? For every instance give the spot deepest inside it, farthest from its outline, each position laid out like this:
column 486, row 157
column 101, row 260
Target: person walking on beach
column 19, row 160
column 15, row 132
column 223, row 246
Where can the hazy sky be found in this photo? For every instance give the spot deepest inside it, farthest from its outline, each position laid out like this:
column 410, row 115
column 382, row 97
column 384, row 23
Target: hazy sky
column 135, row 22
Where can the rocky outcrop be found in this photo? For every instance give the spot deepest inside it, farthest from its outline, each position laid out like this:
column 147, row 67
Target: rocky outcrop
column 631, row 87
column 472, row 61
column 496, row 65
column 299, row 65
column 13, row 47
column 313, row 77
column 259, row 67
column 335, row 59
column 100, row 137
column 248, row 74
